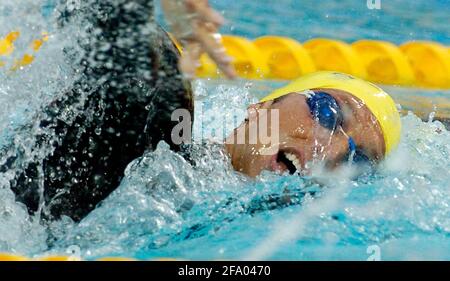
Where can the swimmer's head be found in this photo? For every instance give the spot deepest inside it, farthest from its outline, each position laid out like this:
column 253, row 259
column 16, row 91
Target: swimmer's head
column 330, row 117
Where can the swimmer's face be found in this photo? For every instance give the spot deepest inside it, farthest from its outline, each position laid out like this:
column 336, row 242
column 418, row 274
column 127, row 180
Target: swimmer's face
column 302, row 140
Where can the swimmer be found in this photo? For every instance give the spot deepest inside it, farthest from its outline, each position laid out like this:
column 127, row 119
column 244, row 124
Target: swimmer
column 326, row 116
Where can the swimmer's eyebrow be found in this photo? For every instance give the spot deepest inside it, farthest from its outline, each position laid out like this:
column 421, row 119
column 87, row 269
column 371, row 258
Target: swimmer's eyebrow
column 279, row 99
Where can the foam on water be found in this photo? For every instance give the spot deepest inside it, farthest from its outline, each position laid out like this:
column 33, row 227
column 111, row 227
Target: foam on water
column 168, row 207
column 22, row 93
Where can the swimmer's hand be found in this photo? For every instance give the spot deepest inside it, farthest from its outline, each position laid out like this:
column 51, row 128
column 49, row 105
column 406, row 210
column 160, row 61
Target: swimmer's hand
column 195, row 25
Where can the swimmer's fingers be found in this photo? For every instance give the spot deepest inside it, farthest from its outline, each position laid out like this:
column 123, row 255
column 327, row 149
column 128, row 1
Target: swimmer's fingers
column 206, row 25
column 190, row 60
column 180, row 21
column 204, row 12
column 212, row 45
column 195, row 24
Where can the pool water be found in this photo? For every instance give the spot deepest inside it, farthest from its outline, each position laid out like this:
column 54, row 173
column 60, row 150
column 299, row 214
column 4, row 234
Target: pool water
column 397, row 21
column 165, row 207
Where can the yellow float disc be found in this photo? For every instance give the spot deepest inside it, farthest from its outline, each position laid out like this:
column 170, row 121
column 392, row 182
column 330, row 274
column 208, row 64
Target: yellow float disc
column 26, row 59
column 207, row 68
column 335, row 55
column 248, row 61
column 6, row 44
column 6, row 47
column 9, row 257
column 430, row 62
column 384, row 62
column 285, row 57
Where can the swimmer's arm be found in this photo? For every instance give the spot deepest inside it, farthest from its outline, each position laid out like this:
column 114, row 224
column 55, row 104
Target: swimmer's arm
column 195, row 24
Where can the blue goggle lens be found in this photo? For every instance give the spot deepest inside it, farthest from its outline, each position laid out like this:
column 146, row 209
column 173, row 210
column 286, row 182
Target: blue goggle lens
column 325, row 110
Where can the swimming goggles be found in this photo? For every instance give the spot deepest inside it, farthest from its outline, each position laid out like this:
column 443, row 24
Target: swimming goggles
column 327, row 112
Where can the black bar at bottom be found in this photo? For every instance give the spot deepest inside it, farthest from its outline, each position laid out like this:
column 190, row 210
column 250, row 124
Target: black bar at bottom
column 223, row 270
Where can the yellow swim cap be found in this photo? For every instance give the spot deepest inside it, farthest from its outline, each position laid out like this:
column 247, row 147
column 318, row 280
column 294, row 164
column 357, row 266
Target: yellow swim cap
column 379, row 102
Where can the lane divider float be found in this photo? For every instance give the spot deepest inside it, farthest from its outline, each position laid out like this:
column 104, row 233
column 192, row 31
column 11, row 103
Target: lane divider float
column 14, row 258
column 417, row 63
column 7, row 48
column 430, row 63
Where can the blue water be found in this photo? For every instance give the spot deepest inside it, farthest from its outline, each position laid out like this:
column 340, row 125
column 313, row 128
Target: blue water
column 397, row 21
column 165, row 207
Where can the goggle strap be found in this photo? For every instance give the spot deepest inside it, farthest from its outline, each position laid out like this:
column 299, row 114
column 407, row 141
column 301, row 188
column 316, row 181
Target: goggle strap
column 351, row 142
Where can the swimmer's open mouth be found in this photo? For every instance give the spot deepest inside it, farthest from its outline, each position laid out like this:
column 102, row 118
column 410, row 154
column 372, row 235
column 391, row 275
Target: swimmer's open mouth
column 286, row 161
